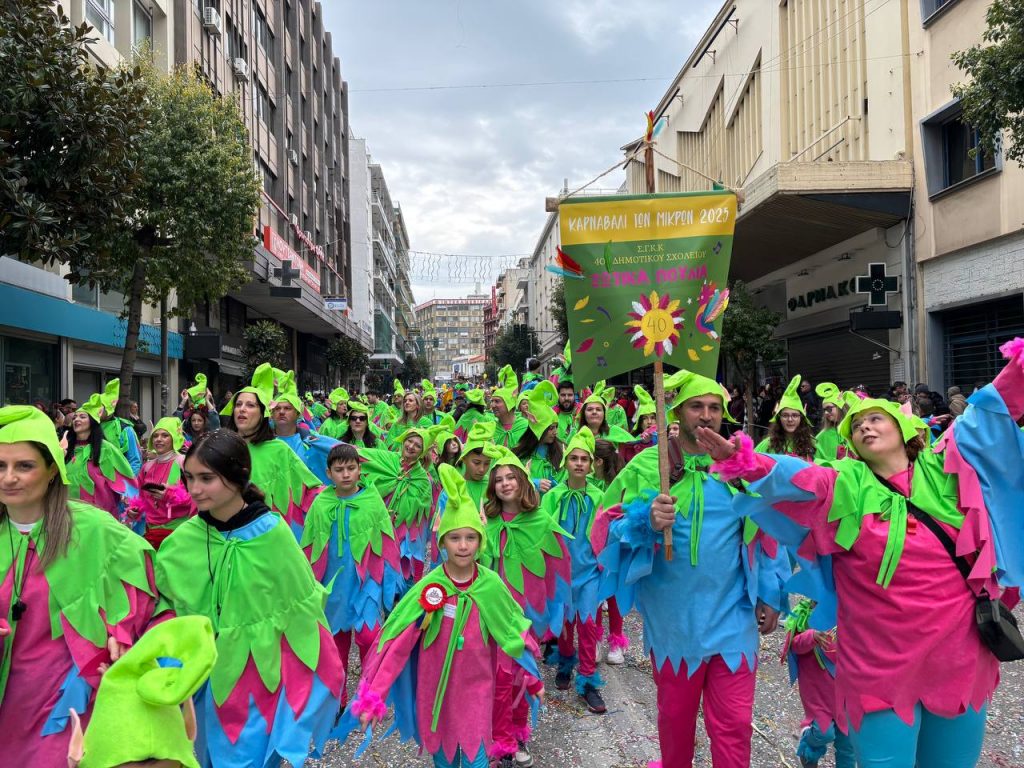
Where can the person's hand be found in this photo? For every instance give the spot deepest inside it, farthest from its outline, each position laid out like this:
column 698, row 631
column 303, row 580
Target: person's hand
column 156, row 494
column 824, row 640
column 5, row 628
column 183, row 395
column 663, row 512
column 716, row 446
column 767, row 618
column 366, row 719
column 545, row 485
column 541, row 695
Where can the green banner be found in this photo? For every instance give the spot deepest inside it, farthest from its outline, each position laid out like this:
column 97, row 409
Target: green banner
column 645, row 280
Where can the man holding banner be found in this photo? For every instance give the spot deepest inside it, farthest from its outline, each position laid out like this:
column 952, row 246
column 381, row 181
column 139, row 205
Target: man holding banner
column 645, row 281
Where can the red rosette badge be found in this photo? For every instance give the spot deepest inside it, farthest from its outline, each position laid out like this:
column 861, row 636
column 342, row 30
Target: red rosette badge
column 432, row 597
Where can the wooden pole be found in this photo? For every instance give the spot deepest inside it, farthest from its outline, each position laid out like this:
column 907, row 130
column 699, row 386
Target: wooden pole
column 659, row 375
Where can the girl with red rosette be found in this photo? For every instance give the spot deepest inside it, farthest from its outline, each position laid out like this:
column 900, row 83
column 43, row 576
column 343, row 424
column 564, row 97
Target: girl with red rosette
column 458, row 606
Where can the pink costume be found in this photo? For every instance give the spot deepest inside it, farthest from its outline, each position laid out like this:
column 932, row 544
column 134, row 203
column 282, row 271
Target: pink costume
column 163, row 516
column 817, row 686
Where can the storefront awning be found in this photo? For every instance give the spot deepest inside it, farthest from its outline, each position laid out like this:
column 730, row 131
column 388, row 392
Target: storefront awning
column 794, row 210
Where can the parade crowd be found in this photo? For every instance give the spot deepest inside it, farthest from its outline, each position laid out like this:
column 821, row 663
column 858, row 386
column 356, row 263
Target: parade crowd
column 189, row 594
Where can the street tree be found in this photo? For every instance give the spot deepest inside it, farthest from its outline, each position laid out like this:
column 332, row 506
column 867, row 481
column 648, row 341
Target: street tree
column 558, row 311
column 513, row 345
column 748, row 338
column 345, row 358
column 993, row 100
column 70, row 136
column 416, row 369
column 194, row 207
column 264, row 342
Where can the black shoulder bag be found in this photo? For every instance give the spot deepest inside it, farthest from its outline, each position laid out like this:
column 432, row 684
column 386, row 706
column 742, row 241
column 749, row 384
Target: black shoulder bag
column 996, row 623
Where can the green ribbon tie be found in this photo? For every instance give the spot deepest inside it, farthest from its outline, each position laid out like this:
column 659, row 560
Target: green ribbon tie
column 455, row 643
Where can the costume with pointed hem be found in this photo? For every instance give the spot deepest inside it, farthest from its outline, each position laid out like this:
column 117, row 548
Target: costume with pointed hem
column 350, row 543
column 860, row 549
column 829, row 446
column 312, row 449
column 288, row 484
column 422, row 658
column 334, row 427
column 108, row 486
column 102, row 588
column 407, row 495
column 278, row 680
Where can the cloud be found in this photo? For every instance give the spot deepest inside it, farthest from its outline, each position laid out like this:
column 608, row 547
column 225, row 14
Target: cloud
column 471, row 167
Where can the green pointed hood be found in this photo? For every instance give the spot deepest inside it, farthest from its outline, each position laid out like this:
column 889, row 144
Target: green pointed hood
column 829, row 394
column 907, row 427
column 480, row 435
column 287, row 392
column 540, row 403
column 27, row 424
column 137, row 715
column 338, row 395
column 791, row 399
column 475, row 396
column 93, row 406
column 584, row 440
column 197, row 393
column 644, row 404
column 262, row 386
column 428, row 389
column 460, row 510
column 688, row 385
column 501, row 456
column 172, row 426
column 507, row 378
column 399, row 389
column 108, row 398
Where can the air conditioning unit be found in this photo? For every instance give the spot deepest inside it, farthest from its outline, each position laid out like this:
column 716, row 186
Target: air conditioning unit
column 241, row 69
column 293, row 157
column 295, row 220
column 211, row 21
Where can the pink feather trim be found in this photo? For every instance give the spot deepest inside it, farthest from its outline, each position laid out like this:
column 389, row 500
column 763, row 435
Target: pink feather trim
column 654, row 764
column 140, row 506
column 1014, row 350
column 740, row 463
column 503, row 747
column 618, row 642
column 176, row 495
column 369, row 701
column 522, row 733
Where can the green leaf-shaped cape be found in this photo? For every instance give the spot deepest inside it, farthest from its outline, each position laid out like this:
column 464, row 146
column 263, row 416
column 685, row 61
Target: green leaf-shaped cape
column 280, row 474
column 529, row 537
column 367, row 525
column 409, row 489
column 556, row 502
column 265, row 591
column 112, row 464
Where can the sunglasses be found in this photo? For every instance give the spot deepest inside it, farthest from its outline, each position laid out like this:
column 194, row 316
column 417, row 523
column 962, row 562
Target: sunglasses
column 357, row 418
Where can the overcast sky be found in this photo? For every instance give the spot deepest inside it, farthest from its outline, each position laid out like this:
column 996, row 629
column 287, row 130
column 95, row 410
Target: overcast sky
column 471, row 167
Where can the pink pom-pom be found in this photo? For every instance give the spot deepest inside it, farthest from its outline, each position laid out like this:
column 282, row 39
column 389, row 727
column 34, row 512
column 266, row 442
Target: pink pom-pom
column 740, row 463
column 522, row 733
column 654, row 764
column 176, row 495
column 139, row 507
column 503, row 748
column 369, row 702
column 618, row 642
column 1014, row 350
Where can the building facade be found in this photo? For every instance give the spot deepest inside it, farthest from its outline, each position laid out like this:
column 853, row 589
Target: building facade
column 361, row 303
column 804, row 106
column 968, row 212
column 453, row 331
column 276, row 59
column 59, row 340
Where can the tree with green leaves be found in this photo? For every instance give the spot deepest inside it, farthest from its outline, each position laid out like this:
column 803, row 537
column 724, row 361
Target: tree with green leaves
column 345, row 356
column 748, row 338
column 416, row 369
column 558, row 311
column 513, row 344
column 191, row 232
column 264, row 342
column 70, row 138
column 993, row 100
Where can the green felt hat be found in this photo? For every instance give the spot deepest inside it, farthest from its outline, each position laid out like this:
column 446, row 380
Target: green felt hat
column 829, row 394
column 426, row 434
column 338, row 395
column 108, row 398
column 507, row 378
column 584, row 440
column 287, row 392
column 475, row 396
column 309, row 397
column 172, row 426
column 262, row 386
column 907, row 427
column 501, row 456
column 507, row 396
column 791, row 399
column 428, row 388
column 27, row 424
column 540, row 402
column 480, row 434
column 597, row 395
column 197, row 393
column 460, row 510
column 608, row 394
column 688, row 384
column 93, row 406
column 355, row 405
column 399, row 389
column 644, row 404
column 137, row 715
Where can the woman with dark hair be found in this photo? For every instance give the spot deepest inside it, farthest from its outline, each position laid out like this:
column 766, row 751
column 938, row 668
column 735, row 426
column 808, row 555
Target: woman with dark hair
column 790, row 431
column 593, row 414
column 361, row 431
column 287, row 483
column 527, row 548
column 197, row 423
column 539, row 448
column 899, row 533
column 239, row 565
column 98, row 473
column 63, row 564
column 473, row 412
column 645, row 427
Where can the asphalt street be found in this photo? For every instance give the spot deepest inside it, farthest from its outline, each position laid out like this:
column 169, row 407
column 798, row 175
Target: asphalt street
column 568, row 736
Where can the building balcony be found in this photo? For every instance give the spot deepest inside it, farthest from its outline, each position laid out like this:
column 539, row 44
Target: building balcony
column 794, row 210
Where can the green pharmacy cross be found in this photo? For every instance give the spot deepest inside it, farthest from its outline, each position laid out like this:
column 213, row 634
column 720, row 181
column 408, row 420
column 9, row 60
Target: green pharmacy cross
column 877, row 284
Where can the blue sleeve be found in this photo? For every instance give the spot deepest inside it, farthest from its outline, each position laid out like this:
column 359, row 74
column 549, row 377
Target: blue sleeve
column 214, row 419
column 772, row 575
column 131, row 450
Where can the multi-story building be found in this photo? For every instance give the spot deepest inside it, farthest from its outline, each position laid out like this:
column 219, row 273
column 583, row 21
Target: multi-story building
column 59, row 340
column 491, row 320
column 405, row 315
column 968, row 212
column 361, row 297
column 451, row 328
column 387, row 357
column 277, row 60
column 805, row 106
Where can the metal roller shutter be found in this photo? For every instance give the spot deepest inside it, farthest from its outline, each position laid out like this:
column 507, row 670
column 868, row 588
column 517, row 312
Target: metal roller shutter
column 843, row 358
column 972, row 336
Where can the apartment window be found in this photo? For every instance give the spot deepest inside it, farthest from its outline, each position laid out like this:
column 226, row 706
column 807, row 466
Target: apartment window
column 264, row 109
column 261, row 31
column 267, row 176
column 142, row 25
column 930, row 8
column 100, row 13
column 948, row 142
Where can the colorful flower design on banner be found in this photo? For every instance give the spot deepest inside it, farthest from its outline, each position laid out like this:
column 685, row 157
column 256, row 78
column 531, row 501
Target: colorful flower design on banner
column 655, row 324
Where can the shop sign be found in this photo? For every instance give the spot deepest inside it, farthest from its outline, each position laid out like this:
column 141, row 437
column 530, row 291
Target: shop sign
column 336, row 304
column 827, row 287
column 279, row 247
